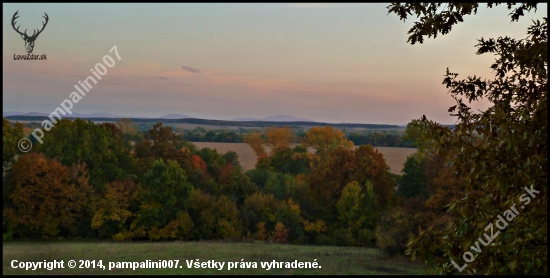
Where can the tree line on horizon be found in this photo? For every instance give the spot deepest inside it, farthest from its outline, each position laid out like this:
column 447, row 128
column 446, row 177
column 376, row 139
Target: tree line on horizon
column 376, row 138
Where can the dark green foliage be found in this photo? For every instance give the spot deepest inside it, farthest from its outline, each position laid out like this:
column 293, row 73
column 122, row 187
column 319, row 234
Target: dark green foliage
column 285, row 161
column 100, row 147
column 200, row 134
column 162, row 194
column 379, row 139
column 280, row 185
column 259, row 176
column 11, row 134
column 213, row 218
column 233, row 158
column 214, row 161
column 413, row 183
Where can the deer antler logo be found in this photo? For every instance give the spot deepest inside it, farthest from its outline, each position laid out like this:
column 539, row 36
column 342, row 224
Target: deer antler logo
column 29, row 40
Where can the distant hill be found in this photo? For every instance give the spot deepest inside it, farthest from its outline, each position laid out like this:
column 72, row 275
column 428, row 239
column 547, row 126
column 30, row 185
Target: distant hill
column 74, row 115
column 11, row 113
column 246, row 119
column 278, row 118
column 96, row 115
column 175, row 116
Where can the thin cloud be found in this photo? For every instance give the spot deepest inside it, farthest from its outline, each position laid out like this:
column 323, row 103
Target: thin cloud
column 194, row 70
column 161, row 77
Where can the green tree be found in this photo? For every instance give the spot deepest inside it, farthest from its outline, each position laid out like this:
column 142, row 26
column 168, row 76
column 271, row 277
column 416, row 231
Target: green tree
column 279, row 185
column 413, row 183
column 259, row 207
column 233, row 158
column 214, row 218
column 259, row 177
column 350, row 206
column 281, row 158
column 357, row 213
column 500, row 151
column 99, row 146
column 415, row 132
column 163, row 194
column 292, row 161
column 10, row 137
column 214, row 161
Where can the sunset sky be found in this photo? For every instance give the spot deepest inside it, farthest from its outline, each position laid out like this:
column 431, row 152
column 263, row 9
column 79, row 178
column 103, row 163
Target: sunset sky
column 326, row 62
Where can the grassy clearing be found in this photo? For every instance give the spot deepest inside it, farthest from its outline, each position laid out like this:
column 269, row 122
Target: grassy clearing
column 332, row 260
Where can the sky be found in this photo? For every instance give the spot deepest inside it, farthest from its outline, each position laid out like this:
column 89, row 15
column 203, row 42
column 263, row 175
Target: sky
column 325, row 62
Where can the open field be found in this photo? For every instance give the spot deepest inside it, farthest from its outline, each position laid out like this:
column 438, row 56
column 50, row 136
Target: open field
column 247, row 158
column 332, row 260
column 395, row 157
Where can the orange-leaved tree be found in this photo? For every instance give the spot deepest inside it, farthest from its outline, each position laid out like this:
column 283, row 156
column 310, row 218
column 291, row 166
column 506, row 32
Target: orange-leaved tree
column 324, row 140
column 278, row 138
column 47, row 199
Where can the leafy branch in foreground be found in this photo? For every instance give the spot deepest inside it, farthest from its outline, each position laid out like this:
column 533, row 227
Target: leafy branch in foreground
column 497, row 152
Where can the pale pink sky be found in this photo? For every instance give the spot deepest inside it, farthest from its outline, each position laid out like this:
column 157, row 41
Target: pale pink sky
column 325, row 62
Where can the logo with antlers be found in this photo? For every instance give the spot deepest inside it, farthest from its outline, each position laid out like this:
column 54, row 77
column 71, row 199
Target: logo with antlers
column 29, row 40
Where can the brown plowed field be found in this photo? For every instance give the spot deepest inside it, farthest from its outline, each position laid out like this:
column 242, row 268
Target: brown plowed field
column 395, row 157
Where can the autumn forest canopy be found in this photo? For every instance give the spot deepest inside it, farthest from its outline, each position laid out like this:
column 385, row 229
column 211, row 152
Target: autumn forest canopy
column 111, row 181
column 161, row 187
